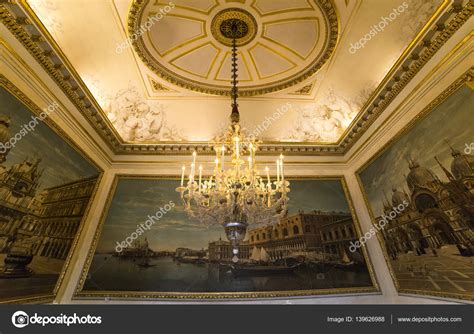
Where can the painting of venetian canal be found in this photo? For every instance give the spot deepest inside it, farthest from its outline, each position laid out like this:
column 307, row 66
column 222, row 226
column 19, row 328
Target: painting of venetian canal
column 307, row 250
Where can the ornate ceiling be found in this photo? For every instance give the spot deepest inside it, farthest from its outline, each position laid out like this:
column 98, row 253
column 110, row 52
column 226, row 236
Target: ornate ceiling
column 150, row 75
column 286, row 42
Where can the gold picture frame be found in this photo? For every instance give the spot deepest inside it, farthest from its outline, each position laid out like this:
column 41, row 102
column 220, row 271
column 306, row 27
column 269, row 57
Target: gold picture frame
column 80, row 294
column 465, row 79
column 35, row 110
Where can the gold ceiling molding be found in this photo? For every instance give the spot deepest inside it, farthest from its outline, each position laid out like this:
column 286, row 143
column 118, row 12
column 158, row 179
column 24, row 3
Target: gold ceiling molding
column 44, row 50
column 28, row 30
column 305, row 90
column 272, row 83
column 417, row 57
column 159, row 87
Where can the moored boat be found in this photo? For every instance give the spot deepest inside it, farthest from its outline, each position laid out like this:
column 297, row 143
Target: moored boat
column 345, row 263
column 145, row 264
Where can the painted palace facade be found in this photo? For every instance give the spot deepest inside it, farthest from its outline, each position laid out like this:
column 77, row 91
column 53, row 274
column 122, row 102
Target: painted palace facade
column 47, row 220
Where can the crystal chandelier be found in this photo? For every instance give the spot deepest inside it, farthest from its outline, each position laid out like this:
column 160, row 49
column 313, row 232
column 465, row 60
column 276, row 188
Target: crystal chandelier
column 236, row 195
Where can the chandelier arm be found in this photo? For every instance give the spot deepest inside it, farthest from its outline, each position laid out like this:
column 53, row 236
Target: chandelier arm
column 202, row 212
column 201, row 217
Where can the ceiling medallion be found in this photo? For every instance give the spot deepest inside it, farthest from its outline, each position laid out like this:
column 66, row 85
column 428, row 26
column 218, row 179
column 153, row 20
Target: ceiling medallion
column 189, row 46
column 222, row 23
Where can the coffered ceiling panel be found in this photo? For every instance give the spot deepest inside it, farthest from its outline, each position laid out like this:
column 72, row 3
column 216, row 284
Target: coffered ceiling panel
column 295, row 35
column 197, row 62
column 333, row 64
column 175, row 33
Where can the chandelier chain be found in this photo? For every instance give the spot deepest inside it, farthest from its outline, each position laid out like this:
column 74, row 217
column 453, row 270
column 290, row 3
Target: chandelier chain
column 235, row 116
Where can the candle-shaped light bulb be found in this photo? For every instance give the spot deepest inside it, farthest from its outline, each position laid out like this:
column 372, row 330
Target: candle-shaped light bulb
column 250, row 162
column 192, row 173
column 252, row 153
column 200, row 176
column 237, row 148
column 217, row 163
column 182, row 175
column 222, row 157
column 278, row 170
column 217, row 155
column 269, row 185
column 282, row 168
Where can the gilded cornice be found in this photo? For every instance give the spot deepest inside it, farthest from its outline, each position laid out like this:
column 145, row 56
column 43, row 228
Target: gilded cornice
column 41, row 46
column 420, row 54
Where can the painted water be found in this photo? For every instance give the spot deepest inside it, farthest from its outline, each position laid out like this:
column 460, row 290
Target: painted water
column 109, row 273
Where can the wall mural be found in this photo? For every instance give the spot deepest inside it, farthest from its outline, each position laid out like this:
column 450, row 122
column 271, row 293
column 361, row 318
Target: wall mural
column 420, row 190
column 45, row 189
column 147, row 247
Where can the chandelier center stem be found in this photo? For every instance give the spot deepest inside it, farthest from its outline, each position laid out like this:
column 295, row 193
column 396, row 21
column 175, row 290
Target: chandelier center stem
column 235, row 115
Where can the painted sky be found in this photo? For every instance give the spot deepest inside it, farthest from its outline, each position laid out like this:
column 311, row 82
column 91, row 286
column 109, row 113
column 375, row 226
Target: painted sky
column 61, row 162
column 135, row 199
column 452, row 120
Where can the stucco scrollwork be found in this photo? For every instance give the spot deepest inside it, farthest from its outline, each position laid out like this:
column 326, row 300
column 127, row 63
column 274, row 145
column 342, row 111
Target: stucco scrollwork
column 326, row 121
column 138, row 120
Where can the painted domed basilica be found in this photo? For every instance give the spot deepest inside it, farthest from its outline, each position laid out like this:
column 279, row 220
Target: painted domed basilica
column 438, row 213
